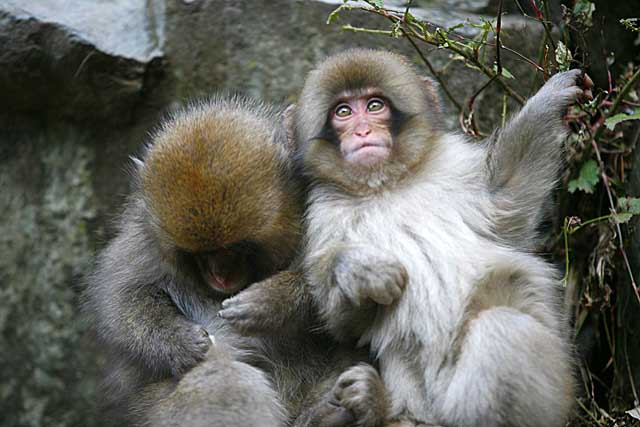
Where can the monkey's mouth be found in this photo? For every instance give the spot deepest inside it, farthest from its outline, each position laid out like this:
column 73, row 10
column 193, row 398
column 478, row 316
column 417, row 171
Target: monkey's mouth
column 368, row 153
column 221, row 280
column 222, row 284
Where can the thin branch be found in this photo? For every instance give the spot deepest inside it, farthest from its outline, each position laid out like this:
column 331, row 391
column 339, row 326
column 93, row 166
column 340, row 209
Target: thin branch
column 498, row 43
column 435, row 74
column 397, row 17
column 616, row 103
column 605, row 180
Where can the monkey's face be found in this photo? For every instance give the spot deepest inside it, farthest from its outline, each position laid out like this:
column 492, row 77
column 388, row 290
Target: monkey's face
column 362, row 127
column 226, row 270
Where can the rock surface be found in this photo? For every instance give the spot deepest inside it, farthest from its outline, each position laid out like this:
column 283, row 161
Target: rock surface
column 81, row 84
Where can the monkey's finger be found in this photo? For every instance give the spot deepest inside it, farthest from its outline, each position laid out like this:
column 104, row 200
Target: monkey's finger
column 586, row 81
column 588, row 94
column 382, row 298
column 234, row 313
column 228, row 302
column 334, row 415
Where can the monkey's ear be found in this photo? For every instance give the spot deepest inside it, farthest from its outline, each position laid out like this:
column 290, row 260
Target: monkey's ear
column 288, row 121
column 432, row 91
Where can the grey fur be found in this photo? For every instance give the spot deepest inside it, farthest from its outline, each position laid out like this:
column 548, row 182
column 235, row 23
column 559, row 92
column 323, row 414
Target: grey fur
column 172, row 359
column 478, row 336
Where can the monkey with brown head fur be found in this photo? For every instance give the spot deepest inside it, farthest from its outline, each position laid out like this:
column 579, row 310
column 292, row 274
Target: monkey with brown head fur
column 418, row 243
column 213, row 210
column 215, row 207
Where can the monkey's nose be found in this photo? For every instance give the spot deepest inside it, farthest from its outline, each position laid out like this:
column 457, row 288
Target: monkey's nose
column 363, row 132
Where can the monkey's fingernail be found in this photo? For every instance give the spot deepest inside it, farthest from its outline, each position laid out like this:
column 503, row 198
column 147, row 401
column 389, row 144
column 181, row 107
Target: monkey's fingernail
column 212, row 339
column 588, row 94
column 586, row 81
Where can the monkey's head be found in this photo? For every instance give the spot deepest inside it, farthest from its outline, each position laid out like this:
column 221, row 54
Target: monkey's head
column 218, row 189
column 365, row 119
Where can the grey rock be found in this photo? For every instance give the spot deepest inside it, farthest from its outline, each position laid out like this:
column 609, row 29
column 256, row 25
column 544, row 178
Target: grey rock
column 76, row 59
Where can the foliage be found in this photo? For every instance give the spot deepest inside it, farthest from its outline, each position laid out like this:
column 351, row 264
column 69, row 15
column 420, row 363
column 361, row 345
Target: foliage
column 598, row 216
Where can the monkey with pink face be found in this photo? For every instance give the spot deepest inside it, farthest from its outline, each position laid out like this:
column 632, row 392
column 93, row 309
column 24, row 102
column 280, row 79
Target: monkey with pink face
column 419, row 244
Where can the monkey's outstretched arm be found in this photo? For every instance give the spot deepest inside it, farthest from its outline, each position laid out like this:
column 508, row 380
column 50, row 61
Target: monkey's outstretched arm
column 281, row 305
column 130, row 310
column 524, row 159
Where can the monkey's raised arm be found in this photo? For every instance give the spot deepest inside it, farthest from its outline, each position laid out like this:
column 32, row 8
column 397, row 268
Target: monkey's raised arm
column 524, row 159
column 130, row 308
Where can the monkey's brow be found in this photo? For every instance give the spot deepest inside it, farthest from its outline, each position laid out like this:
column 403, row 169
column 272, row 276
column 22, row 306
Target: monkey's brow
column 373, row 92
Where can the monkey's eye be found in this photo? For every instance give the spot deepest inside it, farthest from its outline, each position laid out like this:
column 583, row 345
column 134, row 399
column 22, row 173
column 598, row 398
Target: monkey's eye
column 342, row 111
column 375, row 104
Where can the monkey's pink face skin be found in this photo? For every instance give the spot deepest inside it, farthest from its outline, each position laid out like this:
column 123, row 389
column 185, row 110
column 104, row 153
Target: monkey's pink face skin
column 223, row 271
column 362, row 126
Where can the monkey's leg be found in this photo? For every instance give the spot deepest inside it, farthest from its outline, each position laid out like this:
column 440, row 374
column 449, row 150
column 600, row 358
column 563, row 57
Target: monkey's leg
column 523, row 162
column 219, row 392
column 510, row 371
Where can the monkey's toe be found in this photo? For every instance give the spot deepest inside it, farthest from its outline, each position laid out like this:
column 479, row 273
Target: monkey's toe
column 360, row 390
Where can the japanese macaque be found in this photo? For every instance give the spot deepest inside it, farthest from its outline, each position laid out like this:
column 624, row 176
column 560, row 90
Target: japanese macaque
column 418, row 243
column 214, row 208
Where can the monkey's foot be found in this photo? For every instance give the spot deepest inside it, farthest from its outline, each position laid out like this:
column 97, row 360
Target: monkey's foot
column 358, row 398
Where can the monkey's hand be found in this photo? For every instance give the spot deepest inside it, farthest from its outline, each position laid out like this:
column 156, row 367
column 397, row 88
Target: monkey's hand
column 358, row 398
column 364, row 276
column 560, row 92
column 271, row 306
column 186, row 345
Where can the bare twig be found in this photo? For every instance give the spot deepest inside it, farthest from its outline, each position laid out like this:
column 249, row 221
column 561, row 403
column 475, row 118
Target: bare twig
column 607, row 186
column 498, row 43
column 616, row 103
column 433, row 71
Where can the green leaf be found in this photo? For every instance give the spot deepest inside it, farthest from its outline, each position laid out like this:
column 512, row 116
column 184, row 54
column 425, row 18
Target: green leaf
column 588, row 178
column 612, row 121
column 631, row 24
column 505, row 73
column 583, row 10
column 622, row 217
column 630, row 205
column 333, row 16
column 376, row 3
column 563, row 56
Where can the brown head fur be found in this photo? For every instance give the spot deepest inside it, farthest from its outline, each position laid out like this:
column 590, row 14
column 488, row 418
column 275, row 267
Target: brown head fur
column 214, row 176
column 413, row 98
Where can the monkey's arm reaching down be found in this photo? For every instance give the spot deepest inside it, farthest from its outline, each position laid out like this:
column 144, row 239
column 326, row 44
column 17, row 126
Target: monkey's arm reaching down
column 524, row 160
column 128, row 299
column 355, row 279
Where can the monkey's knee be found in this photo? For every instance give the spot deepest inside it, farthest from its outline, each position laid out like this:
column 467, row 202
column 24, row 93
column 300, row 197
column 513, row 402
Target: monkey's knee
column 218, row 393
column 510, row 370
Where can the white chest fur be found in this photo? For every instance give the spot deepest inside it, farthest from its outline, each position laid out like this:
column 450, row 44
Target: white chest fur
column 436, row 226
